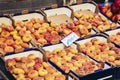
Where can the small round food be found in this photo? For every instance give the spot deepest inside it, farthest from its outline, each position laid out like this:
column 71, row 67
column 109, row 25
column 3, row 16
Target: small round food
column 32, row 74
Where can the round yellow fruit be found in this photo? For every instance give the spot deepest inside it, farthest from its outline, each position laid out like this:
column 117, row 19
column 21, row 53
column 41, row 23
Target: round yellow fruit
column 42, row 72
column 26, row 38
column 18, row 71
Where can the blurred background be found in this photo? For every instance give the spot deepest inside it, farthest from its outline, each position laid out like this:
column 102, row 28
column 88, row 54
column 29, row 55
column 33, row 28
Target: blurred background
column 8, row 6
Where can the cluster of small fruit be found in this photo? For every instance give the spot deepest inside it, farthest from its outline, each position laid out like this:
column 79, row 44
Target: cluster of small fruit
column 41, row 31
column 95, row 20
column 115, row 38
column 32, row 68
column 70, row 59
column 112, row 11
column 101, row 51
column 45, row 33
column 10, row 39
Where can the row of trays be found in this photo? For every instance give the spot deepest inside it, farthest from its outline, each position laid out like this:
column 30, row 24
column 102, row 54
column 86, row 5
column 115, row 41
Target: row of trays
column 91, row 58
column 50, row 25
column 30, row 44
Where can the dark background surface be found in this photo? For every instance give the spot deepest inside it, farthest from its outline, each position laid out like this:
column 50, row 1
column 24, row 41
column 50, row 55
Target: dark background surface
column 8, row 6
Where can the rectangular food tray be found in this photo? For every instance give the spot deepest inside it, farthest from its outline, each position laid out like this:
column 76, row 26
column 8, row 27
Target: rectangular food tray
column 72, row 75
column 92, row 7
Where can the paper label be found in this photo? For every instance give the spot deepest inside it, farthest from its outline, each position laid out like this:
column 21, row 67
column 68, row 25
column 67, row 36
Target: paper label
column 68, row 40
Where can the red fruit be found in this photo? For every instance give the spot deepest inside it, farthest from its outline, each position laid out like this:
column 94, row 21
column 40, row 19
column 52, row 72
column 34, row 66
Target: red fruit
column 99, row 6
column 117, row 3
column 31, row 29
column 109, row 13
column 17, row 59
column 38, row 60
column 2, row 45
column 22, row 32
column 118, row 33
column 55, row 40
column 70, row 25
column 54, row 33
column 104, row 9
column 47, row 36
column 76, row 23
column 50, row 56
column 9, row 42
column 50, row 29
column 75, row 29
column 75, row 58
column 10, row 62
column 114, row 9
column 37, row 66
column 24, row 59
column 114, row 18
column 9, row 28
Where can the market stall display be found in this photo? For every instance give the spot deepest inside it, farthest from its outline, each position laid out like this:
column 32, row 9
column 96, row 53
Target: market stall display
column 33, row 44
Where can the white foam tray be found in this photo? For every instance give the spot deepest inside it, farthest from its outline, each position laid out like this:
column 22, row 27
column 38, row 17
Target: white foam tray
column 4, row 20
column 84, row 6
column 58, row 11
column 24, row 54
column 28, row 16
column 112, row 32
column 89, row 39
column 58, row 46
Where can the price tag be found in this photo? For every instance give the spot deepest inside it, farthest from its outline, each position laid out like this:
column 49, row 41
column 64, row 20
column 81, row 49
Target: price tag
column 68, row 40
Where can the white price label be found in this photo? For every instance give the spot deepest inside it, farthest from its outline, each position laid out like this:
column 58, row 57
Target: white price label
column 68, row 40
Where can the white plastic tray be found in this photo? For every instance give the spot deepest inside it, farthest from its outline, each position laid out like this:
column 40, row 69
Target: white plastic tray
column 28, row 16
column 89, row 39
column 5, row 20
column 84, row 6
column 58, row 46
column 112, row 32
column 24, row 54
column 58, row 11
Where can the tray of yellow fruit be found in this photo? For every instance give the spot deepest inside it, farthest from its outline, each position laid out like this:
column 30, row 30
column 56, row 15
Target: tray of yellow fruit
column 39, row 30
column 10, row 39
column 29, row 65
column 63, row 16
column 89, row 13
column 100, row 48
column 45, row 33
column 67, row 59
